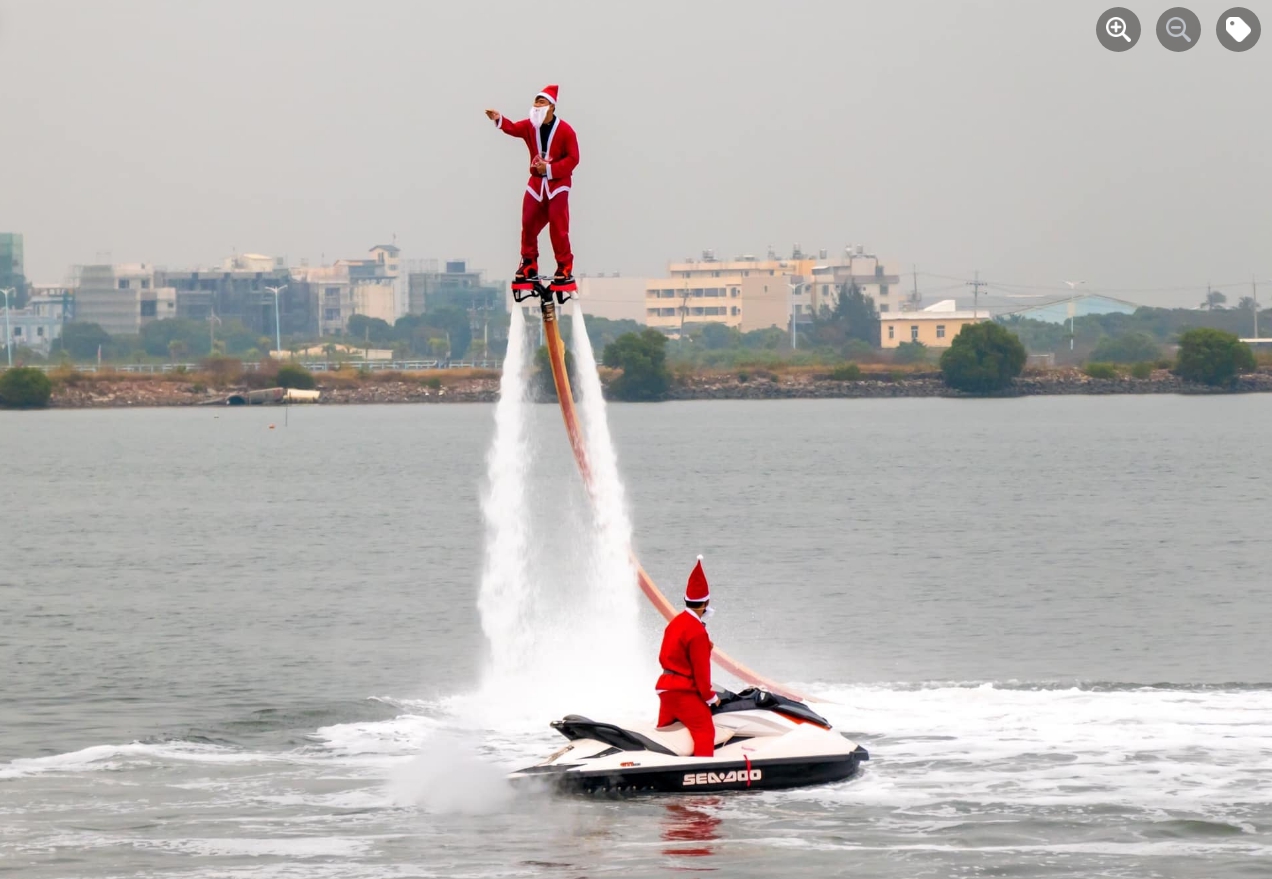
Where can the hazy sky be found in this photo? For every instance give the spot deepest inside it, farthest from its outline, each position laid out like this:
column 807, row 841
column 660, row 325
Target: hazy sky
column 997, row 136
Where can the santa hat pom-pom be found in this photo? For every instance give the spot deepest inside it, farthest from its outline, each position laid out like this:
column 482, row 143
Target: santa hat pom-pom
column 699, row 558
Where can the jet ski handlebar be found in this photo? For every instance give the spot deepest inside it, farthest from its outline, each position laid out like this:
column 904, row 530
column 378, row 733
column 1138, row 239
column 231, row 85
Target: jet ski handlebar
column 757, row 697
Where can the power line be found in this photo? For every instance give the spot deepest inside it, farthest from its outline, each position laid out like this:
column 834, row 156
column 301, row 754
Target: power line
column 1183, row 288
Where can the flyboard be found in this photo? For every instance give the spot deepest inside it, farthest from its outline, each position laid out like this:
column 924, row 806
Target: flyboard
column 561, row 380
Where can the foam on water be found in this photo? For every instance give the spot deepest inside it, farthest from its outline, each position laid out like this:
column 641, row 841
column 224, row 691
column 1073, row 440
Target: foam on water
column 449, row 776
column 1107, row 776
column 943, row 754
column 98, row 758
column 993, row 748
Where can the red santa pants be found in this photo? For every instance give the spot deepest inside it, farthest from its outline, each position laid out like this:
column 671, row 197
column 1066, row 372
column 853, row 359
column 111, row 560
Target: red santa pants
column 555, row 214
column 688, row 708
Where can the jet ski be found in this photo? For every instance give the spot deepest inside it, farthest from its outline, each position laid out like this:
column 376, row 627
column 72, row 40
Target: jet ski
column 763, row 742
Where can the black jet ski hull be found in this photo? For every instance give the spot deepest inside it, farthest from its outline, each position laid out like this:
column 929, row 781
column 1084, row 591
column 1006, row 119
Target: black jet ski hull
column 776, row 774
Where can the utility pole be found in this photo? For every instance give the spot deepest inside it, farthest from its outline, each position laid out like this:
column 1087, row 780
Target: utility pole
column 1254, row 294
column 976, row 285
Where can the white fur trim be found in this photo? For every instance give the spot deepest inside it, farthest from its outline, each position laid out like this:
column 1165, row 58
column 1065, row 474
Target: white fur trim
column 547, row 97
column 706, row 597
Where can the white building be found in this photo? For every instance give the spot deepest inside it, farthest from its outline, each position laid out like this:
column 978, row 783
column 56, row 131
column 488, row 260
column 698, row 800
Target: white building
column 122, row 298
column 339, row 294
column 28, row 329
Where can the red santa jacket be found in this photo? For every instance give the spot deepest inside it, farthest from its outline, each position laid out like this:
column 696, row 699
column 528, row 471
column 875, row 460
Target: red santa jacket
column 686, row 656
column 562, row 154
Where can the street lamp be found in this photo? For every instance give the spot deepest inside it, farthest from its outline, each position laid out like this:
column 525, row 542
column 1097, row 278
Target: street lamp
column 1073, row 285
column 8, row 331
column 794, row 332
column 278, row 330
column 213, row 320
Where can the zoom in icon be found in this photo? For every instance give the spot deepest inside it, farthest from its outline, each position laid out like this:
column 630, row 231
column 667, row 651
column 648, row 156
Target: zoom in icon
column 1118, row 29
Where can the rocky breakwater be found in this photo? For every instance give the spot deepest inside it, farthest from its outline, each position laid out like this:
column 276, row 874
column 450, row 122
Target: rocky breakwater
column 387, row 392
column 773, row 386
column 123, row 393
column 759, row 385
column 106, row 393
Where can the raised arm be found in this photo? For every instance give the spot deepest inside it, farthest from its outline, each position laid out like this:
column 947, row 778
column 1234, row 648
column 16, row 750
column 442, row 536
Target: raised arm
column 514, row 129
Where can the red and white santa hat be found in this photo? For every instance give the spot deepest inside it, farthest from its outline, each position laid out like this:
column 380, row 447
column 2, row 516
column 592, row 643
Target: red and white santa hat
column 549, row 92
column 697, row 589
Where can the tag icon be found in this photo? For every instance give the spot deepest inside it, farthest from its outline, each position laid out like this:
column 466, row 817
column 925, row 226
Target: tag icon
column 1237, row 28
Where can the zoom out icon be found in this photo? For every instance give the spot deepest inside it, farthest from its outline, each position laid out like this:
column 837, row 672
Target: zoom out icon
column 1178, row 29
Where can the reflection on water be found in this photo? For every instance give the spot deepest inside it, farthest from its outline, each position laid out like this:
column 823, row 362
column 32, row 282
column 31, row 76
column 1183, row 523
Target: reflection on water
column 694, row 821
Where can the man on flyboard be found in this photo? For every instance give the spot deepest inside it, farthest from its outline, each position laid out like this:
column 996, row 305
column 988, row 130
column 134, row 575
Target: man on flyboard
column 554, row 153
column 684, row 689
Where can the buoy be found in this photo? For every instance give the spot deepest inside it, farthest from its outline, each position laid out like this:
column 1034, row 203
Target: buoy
column 271, row 427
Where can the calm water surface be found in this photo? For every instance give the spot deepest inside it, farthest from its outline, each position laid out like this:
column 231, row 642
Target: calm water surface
column 230, row 651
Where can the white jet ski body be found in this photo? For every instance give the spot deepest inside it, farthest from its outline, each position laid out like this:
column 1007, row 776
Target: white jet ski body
column 763, row 742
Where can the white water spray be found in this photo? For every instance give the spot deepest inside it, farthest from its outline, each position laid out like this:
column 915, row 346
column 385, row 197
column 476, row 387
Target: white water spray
column 559, row 600
column 614, row 593
column 504, row 601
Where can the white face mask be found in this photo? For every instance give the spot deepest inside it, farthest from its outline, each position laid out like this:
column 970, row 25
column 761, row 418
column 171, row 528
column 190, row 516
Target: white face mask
column 538, row 114
column 707, row 614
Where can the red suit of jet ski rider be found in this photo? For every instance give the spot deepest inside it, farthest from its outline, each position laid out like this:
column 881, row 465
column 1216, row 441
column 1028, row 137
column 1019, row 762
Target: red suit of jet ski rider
column 554, row 153
column 684, row 689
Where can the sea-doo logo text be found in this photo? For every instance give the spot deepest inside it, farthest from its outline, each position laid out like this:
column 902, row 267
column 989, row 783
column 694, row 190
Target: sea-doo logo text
column 733, row 775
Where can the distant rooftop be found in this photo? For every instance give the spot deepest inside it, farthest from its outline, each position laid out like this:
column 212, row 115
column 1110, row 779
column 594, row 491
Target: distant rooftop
column 1080, row 297
column 946, row 309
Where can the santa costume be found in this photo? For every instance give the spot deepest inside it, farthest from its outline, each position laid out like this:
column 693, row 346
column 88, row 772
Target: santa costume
column 547, row 198
column 684, row 689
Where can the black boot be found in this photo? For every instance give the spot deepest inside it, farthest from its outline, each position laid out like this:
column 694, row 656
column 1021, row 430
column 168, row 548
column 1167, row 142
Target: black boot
column 563, row 282
column 526, row 275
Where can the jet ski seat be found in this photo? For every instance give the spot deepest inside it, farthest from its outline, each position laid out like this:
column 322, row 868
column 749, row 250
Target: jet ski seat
column 676, row 737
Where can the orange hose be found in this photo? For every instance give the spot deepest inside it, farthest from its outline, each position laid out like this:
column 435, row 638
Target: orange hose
column 561, row 379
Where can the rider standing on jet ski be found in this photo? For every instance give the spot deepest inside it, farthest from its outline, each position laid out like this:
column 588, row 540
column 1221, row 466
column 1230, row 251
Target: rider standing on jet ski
column 684, row 689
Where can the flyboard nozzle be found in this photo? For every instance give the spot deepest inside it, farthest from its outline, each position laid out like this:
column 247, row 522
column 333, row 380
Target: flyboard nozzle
column 548, row 307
